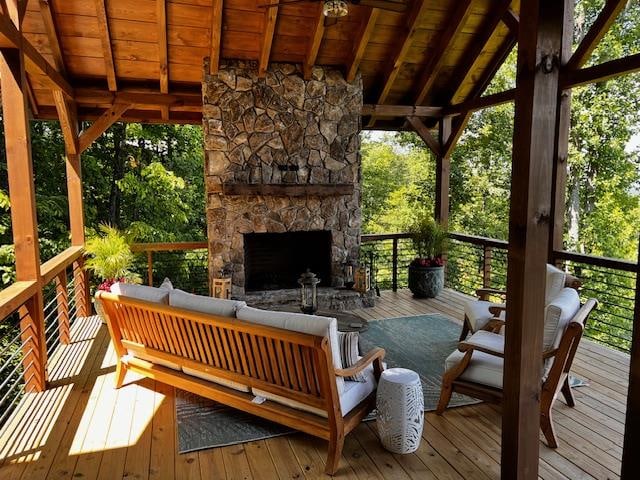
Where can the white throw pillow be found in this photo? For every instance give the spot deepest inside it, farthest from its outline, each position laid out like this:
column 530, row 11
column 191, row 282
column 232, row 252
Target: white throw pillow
column 199, row 303
column 141, row 292
column 558, row 314
column 166, row 284
column 349, row 354
column 299, row 322
column 555, row 283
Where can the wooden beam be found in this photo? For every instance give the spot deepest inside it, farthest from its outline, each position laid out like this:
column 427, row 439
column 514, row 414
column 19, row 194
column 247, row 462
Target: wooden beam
column 46, row 10
column 404, row 44
column 401, row 111
column 540, row 39
column 216, row 36
column 596, row 33
column 33, row 103
column 442, row 43
column 511, row 20
column 457, row 129
column 105, row 38
column 314, row 44
column 147, row 98
column 630, row 458
column 443, row 173
column 68, row 123
column 424, row 133
column 97, row 128
column 361, row 43
column 24, row 223
column 163, row 56
column 35, row 63
column 601, row 72
column 270, row 19
column 480, row 103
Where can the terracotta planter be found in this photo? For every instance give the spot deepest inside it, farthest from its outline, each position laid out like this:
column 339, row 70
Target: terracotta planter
column 426, row 282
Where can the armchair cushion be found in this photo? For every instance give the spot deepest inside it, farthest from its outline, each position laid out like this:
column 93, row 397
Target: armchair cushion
column 555, row 283
column 202, row 304
column 141, row 292
column 478, row 313
column 559, row 312
column 483, row 368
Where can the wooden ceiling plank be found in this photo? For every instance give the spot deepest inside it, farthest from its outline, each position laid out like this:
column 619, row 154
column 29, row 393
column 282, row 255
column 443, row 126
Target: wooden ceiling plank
column 163, row 55
column 442, row 43
column 424, row 133
column 216, row 37
column 361, row 43
column 46, row 10
column 465, row 66
column 68, row 124
column 601, row 72
column 598, row 30
column 97, row 128
column 270, row 19
column 105, row 37
column 314, row 44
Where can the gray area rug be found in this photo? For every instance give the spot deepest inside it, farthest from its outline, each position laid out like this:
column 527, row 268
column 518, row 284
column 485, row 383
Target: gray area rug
column 420, row 343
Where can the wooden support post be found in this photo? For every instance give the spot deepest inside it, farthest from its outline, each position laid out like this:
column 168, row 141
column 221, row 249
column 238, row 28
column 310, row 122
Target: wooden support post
column 394, row 260
column 62, row 299
column 81, row 289
column 630, row 458
column 487, row 254
column 443, row 168
column 150, row 268
column 24, row 222
column 539, row 46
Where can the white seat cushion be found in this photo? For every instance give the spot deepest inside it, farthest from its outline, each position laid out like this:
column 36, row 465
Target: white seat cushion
column 215, row 379
column 353, row 394
column 558, row 314
column 478, row 313
column 483, row 368
column 209, row 305
column 154, row 359
column 299, row 322
column 141, row 292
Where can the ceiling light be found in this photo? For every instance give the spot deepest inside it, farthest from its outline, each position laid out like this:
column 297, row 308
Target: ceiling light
column 335, row 8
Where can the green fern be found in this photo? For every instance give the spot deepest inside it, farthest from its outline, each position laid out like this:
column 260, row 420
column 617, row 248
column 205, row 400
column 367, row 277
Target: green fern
column 110, row 255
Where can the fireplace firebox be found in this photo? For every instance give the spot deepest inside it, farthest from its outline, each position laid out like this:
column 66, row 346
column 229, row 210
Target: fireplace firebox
column 274, row 261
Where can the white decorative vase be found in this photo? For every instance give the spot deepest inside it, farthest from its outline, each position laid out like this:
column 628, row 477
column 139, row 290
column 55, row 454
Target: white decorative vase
column 400, row 410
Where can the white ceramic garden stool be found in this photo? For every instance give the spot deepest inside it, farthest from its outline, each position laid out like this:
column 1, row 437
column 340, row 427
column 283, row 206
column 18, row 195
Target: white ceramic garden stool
column 400, row 410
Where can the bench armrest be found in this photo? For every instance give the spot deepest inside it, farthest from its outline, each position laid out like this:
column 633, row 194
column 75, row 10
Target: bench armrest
column 374, row 355
column 466, row 347
column 485, row 293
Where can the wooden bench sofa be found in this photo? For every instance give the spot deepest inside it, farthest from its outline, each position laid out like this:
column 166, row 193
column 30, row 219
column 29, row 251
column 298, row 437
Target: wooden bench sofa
column 233, row 361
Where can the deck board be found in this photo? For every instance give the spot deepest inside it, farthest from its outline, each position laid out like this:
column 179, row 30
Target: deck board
column 83, row 427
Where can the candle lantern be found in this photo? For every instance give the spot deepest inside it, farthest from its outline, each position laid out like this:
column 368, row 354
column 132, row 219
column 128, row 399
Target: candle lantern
column 348, row 275
column 363, row 279
column 221, row 288
column 308, row 292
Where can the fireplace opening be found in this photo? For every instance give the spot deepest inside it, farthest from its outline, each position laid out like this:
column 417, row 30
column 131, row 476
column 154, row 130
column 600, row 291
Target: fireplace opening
column 274, row 261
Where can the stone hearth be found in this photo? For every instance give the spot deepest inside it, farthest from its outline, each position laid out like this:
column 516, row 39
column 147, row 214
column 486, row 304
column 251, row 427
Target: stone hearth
column 282, row 155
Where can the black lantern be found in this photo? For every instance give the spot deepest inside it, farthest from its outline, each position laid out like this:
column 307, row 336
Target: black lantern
column 308, row 292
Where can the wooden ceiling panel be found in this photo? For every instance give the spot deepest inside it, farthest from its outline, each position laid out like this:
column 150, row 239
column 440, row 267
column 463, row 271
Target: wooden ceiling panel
column 81, row 47
column 240, row 41
column 135, row 51
column 183, row 73
column 180, row 55
column 133, row 31
column 376, row 52
column 141, row 10
column 293, row 26
column 188, row 37
column 74, row 7
column 78, row 26
column 40, row 41
column 85, row 66
column 242, row 21
column 188, row 15
column 33, row 23
column 136, row 70
column 284, row 45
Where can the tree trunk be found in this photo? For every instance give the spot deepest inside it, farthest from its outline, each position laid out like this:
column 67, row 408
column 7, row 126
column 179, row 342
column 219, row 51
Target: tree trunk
column 574, row 214
column 119, row 159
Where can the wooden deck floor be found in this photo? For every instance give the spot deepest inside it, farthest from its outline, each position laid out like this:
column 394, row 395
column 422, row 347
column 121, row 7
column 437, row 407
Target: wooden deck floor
column 83, row 428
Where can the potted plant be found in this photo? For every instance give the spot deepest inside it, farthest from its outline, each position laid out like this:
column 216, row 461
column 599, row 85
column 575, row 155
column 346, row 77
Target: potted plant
column 110, row 259
column 426, row 271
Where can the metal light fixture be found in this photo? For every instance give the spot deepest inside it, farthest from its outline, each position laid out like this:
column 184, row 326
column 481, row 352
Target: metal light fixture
column 335, row 8
column 308, row 292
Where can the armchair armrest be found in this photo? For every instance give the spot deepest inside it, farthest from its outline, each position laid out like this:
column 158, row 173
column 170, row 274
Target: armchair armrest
column 485, row 293
column 496, row 310
column 482, row 343
column 374, row 355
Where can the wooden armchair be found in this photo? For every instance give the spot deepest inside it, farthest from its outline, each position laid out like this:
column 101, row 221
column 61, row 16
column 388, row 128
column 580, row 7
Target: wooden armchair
column 475, row 369
column 485, row 314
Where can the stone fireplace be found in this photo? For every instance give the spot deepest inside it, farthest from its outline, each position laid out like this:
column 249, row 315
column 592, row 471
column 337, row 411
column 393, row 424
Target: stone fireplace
column 282, row 156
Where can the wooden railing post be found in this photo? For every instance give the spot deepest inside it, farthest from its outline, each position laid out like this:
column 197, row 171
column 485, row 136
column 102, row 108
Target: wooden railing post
column 486, row 266
column 394, row 271
column 62, row 300
column 24, row 221
column 150, row 268
column 81, row 288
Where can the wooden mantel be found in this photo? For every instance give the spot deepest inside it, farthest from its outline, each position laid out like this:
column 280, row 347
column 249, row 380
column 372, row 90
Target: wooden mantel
column 288, row 189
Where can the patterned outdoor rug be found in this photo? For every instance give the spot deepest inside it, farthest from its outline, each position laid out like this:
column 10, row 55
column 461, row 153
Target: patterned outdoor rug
column 420, row 343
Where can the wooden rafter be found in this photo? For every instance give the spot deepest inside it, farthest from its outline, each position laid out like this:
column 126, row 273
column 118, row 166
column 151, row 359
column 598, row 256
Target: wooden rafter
column 601, row 72
column 456, row 128
column 361, row 43
column 174, row 99
column 480, row 103
column 314, row 44
column 163, row 56
column 46, row 10
column 34, row 62
column 105, row 37
column 424, row 133
column 404, row 45
column 598, row 30
column 270, row 19
column 401, row 111
column 216, row 37
column 511, row 20
column 68, row 123
column 442, row 44
column 33, row 103
column 98, row 127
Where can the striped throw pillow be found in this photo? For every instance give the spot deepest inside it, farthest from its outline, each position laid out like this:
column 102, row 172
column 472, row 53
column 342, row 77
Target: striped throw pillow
column 349, row 354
